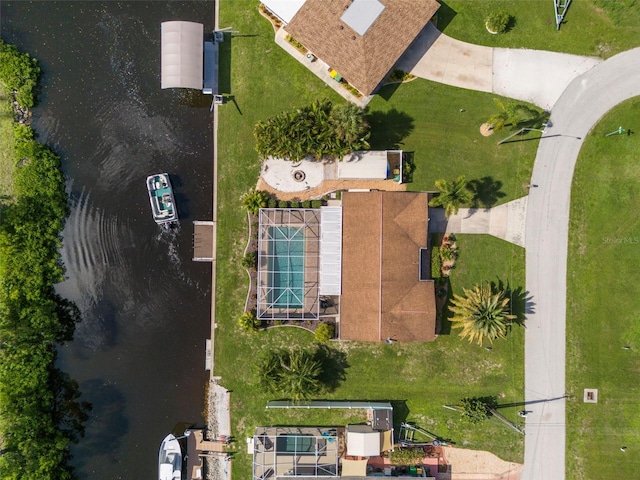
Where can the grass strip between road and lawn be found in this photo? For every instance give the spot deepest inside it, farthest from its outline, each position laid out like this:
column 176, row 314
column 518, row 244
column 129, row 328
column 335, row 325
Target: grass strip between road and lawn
column 603, row 287
column 424, row 119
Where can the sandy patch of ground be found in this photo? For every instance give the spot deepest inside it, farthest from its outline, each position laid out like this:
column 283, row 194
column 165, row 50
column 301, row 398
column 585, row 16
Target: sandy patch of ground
column 486, row 129
column 219, row 417
column 218, row 425
column 478, row 465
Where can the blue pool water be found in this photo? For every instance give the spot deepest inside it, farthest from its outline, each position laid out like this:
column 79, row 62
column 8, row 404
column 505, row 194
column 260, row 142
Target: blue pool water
column 286, row 267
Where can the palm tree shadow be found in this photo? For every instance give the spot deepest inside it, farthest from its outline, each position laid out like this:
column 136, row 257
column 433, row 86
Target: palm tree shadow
column 519, row 300
column 334, row 365
column 486, row 192
column 388, row 129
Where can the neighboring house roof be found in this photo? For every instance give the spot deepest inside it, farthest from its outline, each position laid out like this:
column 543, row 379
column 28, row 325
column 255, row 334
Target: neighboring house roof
column 284, row 9
column 382, row 297
column 329, row 29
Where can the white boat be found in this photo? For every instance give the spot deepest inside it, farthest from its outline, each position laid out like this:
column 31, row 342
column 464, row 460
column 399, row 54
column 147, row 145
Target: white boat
column 163, row 205
column 170, row 459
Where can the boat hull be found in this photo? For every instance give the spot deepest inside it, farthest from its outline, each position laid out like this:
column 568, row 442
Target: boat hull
column 163, row 205
column 170, row 459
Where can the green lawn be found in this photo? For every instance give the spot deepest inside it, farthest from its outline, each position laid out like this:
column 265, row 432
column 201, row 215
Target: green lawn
column 263, row 80
column 424, row 118
column 6, row 144
column 418, row 378
column 593, row 27
column 603, row 288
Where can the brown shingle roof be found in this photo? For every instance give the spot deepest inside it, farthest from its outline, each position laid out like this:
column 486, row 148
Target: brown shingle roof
column 382, row 296
column 363, row 60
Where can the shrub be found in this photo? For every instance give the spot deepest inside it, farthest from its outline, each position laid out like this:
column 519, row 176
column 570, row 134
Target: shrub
column 324, row 332
column 338, row 129
column 399, row 76
column 306, row 203
column 272, row 203
column 354, row 91
column 294, row 204
column 474, row 410
column 283, row 204
column 19, row 73
column 316, row 203
column 296, row 44
column 407, row 456
column 436, row 266
column 447, row 253
column 254, row 200
column 248, row 322
column 250, row 260
column 498, row 22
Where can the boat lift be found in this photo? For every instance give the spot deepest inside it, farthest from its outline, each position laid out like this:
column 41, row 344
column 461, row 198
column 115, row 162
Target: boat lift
column 407, row 433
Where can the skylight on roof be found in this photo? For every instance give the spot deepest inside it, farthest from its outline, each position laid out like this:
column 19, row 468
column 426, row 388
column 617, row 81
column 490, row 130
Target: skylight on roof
column 361, row 14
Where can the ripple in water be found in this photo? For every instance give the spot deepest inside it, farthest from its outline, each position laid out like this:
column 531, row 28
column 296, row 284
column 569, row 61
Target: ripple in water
column 91, row 251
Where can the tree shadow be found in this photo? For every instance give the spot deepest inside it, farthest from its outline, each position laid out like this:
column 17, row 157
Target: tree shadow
column 388, row 129
column 519, row 300
column 491, row 401
column 108, row 423
column 486, row 192
column 334, row 365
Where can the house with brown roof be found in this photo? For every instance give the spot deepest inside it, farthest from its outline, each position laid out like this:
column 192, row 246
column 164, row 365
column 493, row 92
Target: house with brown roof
column 383, row 295
column 363, row 264
column 360, row 39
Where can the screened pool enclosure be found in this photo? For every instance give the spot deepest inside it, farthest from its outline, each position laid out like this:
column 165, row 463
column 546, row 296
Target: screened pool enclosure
column 288, row 264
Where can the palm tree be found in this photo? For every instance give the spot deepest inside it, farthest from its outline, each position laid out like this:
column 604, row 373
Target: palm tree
column 349, row 124
column 452, row 195
column 481, row 314
column 254, row 200
column 516, row 115
column 294, row 373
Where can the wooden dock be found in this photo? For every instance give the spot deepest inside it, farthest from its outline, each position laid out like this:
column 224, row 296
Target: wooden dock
column 203, row 241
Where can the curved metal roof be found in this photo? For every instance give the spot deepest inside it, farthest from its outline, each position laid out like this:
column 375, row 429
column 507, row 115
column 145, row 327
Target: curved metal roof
column 182, row 54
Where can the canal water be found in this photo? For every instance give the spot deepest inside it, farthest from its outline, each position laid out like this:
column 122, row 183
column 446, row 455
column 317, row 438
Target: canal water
column 138, row 354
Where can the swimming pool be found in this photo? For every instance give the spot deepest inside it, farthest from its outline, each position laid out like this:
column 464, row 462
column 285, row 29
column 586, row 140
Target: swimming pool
column 286, row 267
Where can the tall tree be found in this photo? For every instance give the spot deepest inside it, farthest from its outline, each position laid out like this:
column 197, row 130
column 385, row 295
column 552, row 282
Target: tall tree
column 452, row 195
column 319, row 129
column 481, row 313
column 294, row 373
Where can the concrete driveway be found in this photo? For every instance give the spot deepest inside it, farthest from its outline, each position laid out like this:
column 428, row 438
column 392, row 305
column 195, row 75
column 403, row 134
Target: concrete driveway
column 582, row 104
column 506, row 221
column 535, row 76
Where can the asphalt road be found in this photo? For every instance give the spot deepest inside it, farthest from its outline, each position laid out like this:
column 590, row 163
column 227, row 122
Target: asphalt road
column 582, row 104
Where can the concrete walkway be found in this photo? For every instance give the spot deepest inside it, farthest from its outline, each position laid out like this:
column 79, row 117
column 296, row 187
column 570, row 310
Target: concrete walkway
column 534, row 76
column 320, row 69
column 579, row 108
column 506, row 221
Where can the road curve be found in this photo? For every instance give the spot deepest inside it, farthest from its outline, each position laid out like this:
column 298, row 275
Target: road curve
column 579, row 108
